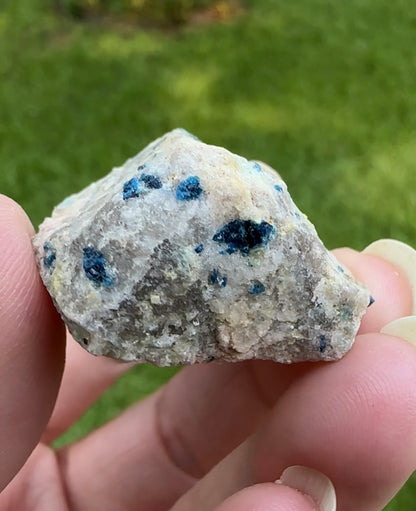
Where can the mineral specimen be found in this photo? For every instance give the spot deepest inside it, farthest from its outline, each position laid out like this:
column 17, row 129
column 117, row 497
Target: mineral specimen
column 188, row 253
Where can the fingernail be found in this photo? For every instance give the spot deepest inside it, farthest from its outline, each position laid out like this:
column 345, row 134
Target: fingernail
column 402, row 256
column 312, row 483
column 405, row 328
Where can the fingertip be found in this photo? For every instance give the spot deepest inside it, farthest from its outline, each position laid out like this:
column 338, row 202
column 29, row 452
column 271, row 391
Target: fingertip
column 344, row 252
column 268, row 497
column 11, row 211
column 25, row 304
column 388, row 286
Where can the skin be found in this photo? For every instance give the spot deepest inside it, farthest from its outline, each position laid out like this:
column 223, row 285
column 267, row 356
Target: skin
column 215, row 437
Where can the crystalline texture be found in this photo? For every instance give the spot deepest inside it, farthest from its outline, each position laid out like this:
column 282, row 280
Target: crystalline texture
column 188, row 253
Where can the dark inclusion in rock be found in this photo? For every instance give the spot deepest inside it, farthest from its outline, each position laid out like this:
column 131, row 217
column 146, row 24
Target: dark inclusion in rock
column 199, row 248
column 216, row 278
column 131, row 188
column 94, row 265
column 151, row 181
column 322, row 343
column 256, row 288
column 244, row 235
column 189, row 189
column 50, row 255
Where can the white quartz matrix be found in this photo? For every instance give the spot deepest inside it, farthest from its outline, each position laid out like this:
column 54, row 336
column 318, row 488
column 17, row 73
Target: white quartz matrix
column 189, row 253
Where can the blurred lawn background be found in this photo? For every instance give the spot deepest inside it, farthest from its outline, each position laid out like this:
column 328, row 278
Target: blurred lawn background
column 324, row 91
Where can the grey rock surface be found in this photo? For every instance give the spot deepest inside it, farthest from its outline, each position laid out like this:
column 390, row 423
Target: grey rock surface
column 189, row 253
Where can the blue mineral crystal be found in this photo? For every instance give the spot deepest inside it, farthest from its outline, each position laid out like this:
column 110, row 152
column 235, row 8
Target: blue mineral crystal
column 151, row 181
column 215, row 277
column 94, row 265
column 189, row 189
column 256, row 288
column 49, row 255
column 244, row 235
column 131, row 188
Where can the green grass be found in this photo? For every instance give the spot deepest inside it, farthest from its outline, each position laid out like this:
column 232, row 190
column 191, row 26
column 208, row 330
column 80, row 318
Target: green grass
column 322, row 90
column 133, row 386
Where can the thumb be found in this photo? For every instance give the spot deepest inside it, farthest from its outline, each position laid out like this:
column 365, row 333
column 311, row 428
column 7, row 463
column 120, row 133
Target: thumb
column 32, row 344
column 298, row 489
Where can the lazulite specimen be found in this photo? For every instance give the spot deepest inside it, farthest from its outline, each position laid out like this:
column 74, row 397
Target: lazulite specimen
column 188, row 253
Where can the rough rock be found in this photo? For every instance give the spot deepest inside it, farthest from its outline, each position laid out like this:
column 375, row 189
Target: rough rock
column 189, row 253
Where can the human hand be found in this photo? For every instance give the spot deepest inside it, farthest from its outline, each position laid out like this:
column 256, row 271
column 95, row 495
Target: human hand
column 217, row 436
